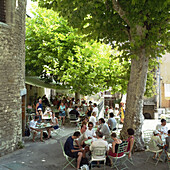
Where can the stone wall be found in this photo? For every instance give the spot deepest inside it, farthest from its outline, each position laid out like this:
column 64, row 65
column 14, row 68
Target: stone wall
column 12, row 74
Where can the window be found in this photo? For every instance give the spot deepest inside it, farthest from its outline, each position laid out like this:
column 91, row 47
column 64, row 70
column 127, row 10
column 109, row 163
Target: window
column 2, row 11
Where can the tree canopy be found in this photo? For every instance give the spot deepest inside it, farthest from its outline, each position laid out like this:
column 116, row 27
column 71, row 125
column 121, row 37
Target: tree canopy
column 54, row 48
column 113, row 21
column 140, row 28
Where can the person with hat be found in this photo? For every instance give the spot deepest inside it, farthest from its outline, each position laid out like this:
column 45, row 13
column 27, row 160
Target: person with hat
column 39, row 114
column 156, row 143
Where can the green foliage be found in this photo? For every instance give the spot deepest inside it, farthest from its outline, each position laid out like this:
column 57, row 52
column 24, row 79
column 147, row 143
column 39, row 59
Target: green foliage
column 54, row 48
column 132, row 25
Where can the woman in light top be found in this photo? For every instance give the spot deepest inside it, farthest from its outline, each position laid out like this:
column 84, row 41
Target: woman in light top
column 54, row 121
column 62, row 112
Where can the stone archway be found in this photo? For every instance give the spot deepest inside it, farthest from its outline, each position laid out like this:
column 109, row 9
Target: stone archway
column 147, row 116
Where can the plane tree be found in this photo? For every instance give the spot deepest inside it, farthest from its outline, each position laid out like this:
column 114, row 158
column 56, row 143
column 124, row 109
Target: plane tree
column 138, row 27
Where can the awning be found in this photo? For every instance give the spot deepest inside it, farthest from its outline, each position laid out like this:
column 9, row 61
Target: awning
column 36, row 81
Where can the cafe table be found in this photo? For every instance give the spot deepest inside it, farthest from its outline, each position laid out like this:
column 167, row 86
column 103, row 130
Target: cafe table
column 42, row 126
column 46, row 116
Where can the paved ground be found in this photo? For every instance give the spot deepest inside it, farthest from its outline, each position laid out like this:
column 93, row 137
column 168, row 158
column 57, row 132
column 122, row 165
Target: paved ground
column 48, row 155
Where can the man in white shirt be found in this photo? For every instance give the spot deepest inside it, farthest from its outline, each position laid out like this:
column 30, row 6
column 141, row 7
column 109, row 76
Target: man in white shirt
column 93, row 119
column 95, row 109
column 90, row 133
column 163, row 129
column 33, row 129
column 83, row 137
column 99, row 142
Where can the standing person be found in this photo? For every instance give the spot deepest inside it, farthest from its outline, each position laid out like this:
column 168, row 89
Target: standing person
column 72, row 151
column 121, row 112
column 95, row 109
column 62, row 112
column 112, row 122
column 39, row 105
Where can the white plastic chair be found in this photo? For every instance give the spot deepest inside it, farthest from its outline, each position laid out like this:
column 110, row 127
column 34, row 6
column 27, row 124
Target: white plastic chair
column 98, row 154
column 155, row 152
column 116, row 161
column 147, row 136
column 73, row 119
column 68, row 159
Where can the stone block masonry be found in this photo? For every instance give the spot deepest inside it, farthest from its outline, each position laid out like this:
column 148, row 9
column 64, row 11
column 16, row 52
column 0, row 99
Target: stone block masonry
column 12, row 74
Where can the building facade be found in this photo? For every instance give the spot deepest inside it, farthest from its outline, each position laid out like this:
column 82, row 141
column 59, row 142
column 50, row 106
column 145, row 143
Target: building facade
column 164, row 82
column 12, row 73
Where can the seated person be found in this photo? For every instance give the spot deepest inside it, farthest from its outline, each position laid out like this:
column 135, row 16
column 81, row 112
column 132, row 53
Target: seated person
column 163, row 129
column 93, row 119
column 39, row 114
column 72, row 151
column 99, row 142
column 112, row 122
column 54, row 121
column 90, row 133
column 74, row 112
column 68, row 110
column 115, row 144
column 33, row 129
column 155, row 143
column 167, row 146
column 83, row 137
column 104, row 128
column 89, row 111
column 130, row 141
column 85, row 121
column 48, row 112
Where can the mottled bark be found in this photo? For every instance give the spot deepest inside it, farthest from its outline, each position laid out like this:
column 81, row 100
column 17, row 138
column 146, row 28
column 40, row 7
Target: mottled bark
column 77, row 95
column 134, row 104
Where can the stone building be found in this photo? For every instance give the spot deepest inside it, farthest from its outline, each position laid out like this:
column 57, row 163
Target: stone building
column 164, row 82
column 12, row 73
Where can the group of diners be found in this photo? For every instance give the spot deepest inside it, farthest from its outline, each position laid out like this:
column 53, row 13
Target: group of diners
column 36, row 127
column 65, row 108
column 160, row 140
column 77, row 145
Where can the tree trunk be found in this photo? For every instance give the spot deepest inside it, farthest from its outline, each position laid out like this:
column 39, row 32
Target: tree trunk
column 77, row 95
column 134, row 102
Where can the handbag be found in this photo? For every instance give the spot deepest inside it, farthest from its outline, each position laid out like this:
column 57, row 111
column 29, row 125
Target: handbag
column 84, row 167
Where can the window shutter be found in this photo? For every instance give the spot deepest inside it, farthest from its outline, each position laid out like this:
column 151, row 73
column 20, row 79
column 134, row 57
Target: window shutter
column 2, row 11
